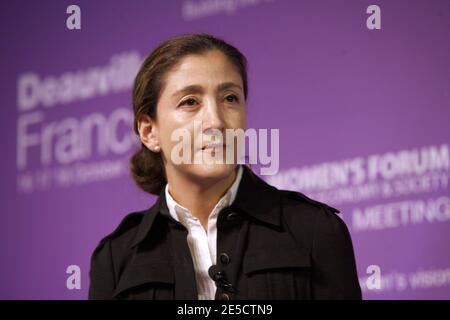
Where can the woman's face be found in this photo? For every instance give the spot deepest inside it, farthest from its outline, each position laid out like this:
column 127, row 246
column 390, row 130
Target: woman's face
column 205, row 90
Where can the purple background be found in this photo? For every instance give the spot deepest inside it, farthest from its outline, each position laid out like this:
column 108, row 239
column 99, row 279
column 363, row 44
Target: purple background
column 335, row 89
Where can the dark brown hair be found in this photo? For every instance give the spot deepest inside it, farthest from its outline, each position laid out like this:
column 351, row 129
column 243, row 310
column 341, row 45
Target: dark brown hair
column 147, row 166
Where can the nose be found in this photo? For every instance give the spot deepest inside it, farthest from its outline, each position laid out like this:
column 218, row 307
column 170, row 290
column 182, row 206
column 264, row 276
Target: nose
column 212, row 116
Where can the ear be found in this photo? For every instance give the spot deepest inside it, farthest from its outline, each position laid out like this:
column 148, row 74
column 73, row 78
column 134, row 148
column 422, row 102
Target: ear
column 148, row 133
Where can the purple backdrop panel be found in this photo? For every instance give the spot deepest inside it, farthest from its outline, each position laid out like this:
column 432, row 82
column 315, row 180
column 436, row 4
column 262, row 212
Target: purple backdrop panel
column 363, row 117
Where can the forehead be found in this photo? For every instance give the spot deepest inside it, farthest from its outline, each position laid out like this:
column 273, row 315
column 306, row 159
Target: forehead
column 209, row 68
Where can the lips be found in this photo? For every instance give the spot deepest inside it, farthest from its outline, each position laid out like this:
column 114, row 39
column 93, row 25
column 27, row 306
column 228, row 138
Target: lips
column 213, row 146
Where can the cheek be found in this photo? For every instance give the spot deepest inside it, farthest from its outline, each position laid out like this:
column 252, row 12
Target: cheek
column 176, row 127
column 240, row 119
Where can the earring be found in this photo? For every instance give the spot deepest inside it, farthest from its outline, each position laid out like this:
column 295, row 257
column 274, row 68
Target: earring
column 157, row 148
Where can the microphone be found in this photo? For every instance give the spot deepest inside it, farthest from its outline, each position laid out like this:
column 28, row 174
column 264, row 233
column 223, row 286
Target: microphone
column 219, row 277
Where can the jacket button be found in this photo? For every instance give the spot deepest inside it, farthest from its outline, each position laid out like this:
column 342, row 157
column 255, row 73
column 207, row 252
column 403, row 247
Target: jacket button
column 224, row 258
column 218, row 276
column 233, row 216
column 224, row 296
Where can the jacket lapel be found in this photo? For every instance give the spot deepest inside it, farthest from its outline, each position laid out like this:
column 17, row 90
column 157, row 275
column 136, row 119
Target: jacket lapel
column 263, row 242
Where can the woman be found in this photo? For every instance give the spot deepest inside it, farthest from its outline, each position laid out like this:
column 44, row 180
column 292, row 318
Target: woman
column 217, row 231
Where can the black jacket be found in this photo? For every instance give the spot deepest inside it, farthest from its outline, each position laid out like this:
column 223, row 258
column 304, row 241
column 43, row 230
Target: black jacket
column 271, row 244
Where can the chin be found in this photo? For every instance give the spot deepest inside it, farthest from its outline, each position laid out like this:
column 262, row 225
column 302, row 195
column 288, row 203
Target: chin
column 213, row 171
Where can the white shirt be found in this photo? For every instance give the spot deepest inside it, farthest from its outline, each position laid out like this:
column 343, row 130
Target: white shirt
column 202, row 244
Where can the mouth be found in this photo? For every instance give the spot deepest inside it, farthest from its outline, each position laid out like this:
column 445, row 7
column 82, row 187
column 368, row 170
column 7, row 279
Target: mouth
column 213, row 146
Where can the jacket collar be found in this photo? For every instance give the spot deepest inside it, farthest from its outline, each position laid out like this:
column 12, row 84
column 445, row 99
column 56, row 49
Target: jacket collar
column 254, row 197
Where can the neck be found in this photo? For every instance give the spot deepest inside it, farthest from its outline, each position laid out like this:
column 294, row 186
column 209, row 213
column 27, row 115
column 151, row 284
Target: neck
column 199, row 197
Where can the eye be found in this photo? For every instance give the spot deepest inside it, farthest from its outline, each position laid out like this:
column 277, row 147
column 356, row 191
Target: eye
column 190, row 102
column 232, row 98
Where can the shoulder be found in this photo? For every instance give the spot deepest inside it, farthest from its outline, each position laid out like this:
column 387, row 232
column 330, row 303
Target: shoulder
column 296, row 205
column 294, row 198
column 124, row 233
column 309, row 219
column 106, row 259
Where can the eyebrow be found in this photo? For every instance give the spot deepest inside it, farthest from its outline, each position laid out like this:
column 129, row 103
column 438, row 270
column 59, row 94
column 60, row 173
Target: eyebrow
column 195, row 88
